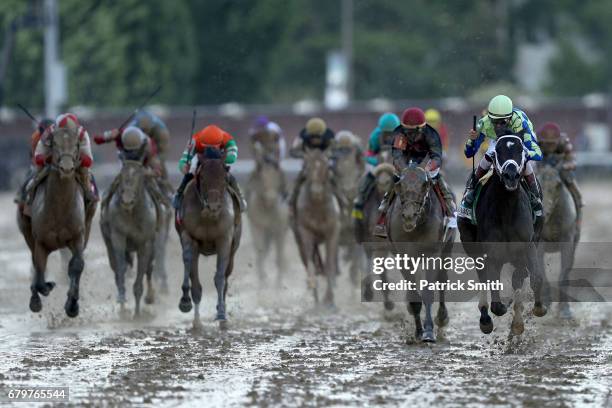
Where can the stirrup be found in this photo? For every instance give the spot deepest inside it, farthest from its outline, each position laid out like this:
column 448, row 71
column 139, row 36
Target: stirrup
column 380, row 230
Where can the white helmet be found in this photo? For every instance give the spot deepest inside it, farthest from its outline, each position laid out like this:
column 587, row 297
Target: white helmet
column 132, row 138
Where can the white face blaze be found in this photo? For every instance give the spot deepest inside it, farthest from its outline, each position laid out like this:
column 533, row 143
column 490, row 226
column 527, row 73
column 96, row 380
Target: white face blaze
column 509, row 144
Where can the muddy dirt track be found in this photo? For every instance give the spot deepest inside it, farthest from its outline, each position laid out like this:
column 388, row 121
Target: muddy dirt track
column 280, row 351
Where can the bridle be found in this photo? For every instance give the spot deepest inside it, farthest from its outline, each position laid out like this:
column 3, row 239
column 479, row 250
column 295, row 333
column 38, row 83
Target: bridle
column 501, row 168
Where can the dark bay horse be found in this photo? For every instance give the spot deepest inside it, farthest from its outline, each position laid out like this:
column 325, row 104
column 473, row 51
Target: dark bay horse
column 59, row 220
column 211, row 226
column 128, row 225
column 268, row 212
column 384, row 179
column 416, row 216
column 505, row 232
column 318, row 223
column 560, row 232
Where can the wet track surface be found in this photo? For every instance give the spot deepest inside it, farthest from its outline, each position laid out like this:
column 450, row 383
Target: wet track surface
column 281, row 350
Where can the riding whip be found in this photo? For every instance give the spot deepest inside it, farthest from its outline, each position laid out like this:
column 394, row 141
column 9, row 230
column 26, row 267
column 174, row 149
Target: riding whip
column 151, row 95
column 473, row 157
column 27, row 112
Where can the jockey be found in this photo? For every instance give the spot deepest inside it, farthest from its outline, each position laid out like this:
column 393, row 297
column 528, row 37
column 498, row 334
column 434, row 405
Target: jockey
column 133, row 144
column 315, row 135
column 558, row 151
column 153, row 127
column 270, row 136
column 210, row 136
column 414, row 140
column 42, row 156
column 501, row 119
column 381, row 136
column 34, row 139
column 434, row 119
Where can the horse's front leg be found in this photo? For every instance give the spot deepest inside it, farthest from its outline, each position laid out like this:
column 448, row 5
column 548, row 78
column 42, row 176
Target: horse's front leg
column 415, row 303
column 536, row 280
column 145, row 252
column 39, row 262
column 159, row 263
column 75, row 269
column 493, row 274
column 281, row 261
column 567, row 262
column 150, row 296
column 223, row 257
column 442, row 315
column 486, row 323
column 190, row 256
column 119, row 264
column 428, row 328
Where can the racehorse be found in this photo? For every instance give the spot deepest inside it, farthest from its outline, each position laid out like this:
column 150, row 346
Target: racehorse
column 416, row 216
column 211, row 225
column 59, row 219
column 129, row 224
column 268, row 213
column 317, row 222
column 560, row 232
column 506, row 233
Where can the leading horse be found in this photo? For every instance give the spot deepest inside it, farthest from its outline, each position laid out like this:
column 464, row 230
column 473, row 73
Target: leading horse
column 211, row 225
column 59, row 219
column 506, row 232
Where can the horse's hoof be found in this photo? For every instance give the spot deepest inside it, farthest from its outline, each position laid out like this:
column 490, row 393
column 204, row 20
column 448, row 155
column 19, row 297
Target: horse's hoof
column 197, row 325
column 72, row 308
column 149, row 300
column 498, row 308
column 517, row 328
column 428, row 336
column 185, row 305
column 368, row 294
column 418, row 334
column 486, row 325
column 389, row 305
column 223, row 324
column 441, row 319
column 45, row 288
column 35, row 304
column 539, row 310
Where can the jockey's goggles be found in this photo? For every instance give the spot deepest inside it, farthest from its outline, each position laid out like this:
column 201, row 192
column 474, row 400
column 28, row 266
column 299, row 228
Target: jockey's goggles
column 500, row 121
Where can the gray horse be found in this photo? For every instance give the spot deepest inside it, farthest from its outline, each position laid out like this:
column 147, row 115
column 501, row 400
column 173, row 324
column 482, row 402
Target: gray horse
column 317, row 222
column 211, row 225
column 59, row 219
column 416, row 216
column 128, row 225
column 268, row 212
column 560, row 232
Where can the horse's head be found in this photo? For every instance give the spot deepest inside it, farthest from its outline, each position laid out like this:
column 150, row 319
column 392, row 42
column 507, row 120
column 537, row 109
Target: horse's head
column 509, row 160
column 131, row 183
column 317, row 170
column 65, row 150
column 413, row 190
column 212, row 181
column 550, row 180
column 384, row 177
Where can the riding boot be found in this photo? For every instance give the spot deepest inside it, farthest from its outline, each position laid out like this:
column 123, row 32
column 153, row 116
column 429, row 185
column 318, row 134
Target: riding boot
column 301, row 178
column 178, row 196
column 84, row 179
column 450, row 208
column 365, row 188
column 534, row 194
column 380, row 230
column 233, row 183
column 470, row 188
column 20, row 197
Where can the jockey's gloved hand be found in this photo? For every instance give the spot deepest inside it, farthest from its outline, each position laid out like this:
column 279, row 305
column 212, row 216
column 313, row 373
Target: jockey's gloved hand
column 432, row 169
column 99, row 139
